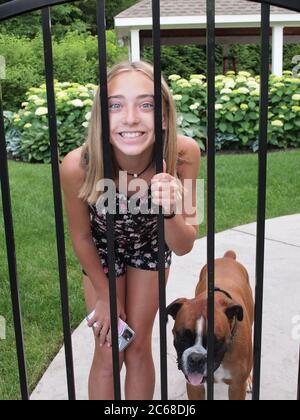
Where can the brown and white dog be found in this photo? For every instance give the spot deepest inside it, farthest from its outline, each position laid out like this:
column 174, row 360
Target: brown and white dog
column 234, row 312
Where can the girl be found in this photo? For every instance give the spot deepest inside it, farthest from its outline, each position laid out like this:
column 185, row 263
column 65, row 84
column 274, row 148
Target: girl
column 132, row 141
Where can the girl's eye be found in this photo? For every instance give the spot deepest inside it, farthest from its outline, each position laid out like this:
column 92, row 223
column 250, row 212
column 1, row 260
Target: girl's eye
column 147, row 105
column 114, row 106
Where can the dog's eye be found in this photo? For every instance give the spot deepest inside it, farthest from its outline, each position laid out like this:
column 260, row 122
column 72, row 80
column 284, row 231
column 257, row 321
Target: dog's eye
column 183, row 340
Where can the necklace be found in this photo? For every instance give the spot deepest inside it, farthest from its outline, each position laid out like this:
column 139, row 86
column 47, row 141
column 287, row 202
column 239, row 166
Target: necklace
column 138, row 175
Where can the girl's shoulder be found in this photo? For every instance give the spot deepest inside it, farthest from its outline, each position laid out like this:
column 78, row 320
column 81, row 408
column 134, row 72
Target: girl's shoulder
column 72, row 168
column 189, row 153
column 186, row 145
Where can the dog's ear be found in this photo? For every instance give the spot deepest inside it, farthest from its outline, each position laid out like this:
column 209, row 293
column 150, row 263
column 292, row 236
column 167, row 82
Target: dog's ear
column 235, row 311
column 174, row 308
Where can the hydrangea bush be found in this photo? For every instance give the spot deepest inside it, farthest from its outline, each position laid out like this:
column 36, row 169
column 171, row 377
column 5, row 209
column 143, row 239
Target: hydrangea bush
column 237, row 109
column 73, row 111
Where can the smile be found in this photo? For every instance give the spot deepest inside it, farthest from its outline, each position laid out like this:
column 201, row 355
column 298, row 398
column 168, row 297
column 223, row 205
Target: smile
column 131, row 135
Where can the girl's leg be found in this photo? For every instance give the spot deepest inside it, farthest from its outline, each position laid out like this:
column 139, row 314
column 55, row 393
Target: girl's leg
column 142, row 303
column 101, row 382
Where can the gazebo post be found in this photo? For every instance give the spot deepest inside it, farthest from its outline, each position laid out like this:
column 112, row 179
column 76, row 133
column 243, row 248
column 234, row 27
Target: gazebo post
column 277, row 50
column 134, row 49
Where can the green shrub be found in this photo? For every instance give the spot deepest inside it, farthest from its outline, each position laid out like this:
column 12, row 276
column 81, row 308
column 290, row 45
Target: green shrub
column 75, row 60
column 237, row 109
column 73, row 106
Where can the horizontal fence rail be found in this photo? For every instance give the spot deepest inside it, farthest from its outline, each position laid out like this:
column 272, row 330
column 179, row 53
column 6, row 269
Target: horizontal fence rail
column 19, row 7
column 15, row 8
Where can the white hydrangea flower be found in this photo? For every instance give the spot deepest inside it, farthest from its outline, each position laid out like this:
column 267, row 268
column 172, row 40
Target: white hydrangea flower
column 225, row 98
column 230, row 84
column 28, row 125
column 198, row 76
column 244, row 73
column 33, row 98
column 241, row 79
column 296, row 97
column 62, row 95
column 244, row 107
column 88, row 102
column 243, row 90
column 179, row 120
column 174, row 77
column 252, row 85
column 195, row 106
column 177, row 97
column 277, row 123
column 24, row 104
column 88, row 116
column 77, row 103
column 226, row 91
column 195, row 82
column 218, row 107
column 39, row 102
column 85, row 124
column 41, row 111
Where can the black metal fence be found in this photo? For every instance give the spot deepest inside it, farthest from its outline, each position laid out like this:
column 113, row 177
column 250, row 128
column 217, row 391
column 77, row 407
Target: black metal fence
column 18, row 7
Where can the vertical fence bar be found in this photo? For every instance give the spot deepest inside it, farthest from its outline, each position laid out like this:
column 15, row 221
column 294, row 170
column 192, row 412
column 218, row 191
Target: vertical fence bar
column 159, row 169
column 59, row 223
column 101, row 23
column 261, row 207
column 211, row 192
column 11, row 255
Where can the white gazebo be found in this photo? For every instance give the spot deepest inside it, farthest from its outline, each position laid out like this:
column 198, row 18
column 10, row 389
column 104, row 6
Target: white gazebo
column 184, row 22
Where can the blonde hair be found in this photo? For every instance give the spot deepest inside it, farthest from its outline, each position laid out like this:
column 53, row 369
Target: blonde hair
column 92, row 149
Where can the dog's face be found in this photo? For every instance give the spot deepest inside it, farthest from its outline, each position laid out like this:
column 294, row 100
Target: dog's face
column 190, row 333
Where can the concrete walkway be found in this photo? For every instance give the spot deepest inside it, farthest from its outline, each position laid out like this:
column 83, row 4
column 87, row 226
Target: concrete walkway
column 281, row 326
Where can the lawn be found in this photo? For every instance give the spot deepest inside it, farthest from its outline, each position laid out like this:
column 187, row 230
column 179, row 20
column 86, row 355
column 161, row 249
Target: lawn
column 33, row 214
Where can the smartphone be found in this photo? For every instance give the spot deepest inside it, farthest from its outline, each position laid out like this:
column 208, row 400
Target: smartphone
column 125, row 333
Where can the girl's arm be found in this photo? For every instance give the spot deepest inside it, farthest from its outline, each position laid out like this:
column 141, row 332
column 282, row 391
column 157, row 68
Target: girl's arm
column 182, row 230
column 72, row 177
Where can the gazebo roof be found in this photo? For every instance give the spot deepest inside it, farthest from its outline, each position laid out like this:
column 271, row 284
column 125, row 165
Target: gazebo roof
column 198, row 8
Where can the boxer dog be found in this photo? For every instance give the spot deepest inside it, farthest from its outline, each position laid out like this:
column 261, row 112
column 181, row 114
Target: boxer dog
column 234, row 313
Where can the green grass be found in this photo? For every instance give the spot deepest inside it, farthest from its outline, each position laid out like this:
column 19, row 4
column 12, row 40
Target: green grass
column 33, row 215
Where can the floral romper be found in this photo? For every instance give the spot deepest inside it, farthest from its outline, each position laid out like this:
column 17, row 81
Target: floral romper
column 136, row 236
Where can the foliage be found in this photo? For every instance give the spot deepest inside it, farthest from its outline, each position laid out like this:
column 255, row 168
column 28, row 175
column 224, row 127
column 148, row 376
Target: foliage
column 73, row 106
column 79, row 16
column 75, row 60
column 64, row 18
column 191, row 59
column 183, row 59
column 237, row 110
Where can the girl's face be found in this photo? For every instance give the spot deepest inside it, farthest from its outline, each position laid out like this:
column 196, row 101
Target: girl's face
column 131, row 112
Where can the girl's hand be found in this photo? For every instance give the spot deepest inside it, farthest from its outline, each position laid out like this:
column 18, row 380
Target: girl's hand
column 165, row 190
column 101, row 320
